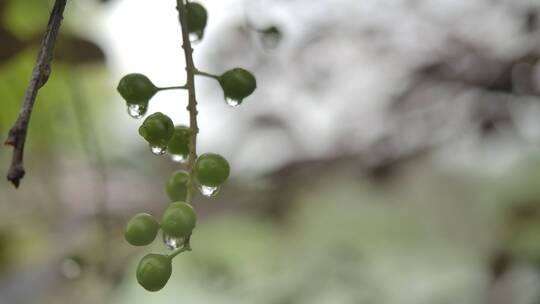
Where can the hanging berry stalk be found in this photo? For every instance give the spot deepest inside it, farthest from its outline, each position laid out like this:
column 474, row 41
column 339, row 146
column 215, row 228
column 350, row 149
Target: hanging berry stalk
column 184, row 17
column 207, row 172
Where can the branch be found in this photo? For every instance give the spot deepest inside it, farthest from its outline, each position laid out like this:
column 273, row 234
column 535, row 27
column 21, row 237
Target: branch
column 40, row 75
column 192, row 101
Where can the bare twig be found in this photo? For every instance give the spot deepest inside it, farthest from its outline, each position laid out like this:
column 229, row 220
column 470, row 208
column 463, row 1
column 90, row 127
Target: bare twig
column 40, row 75
column 192, row 101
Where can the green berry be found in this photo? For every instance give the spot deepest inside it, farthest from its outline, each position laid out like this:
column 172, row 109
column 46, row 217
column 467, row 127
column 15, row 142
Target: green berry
column 179, row 143
column 237, row 84
column 141, row 230
column 177, row 186
column 154, row 271
column 271, row 36
column 136, row 88
column 178, row 219
column 271, row 30
column 212, row 169
column 196, row 19
column 157, row 129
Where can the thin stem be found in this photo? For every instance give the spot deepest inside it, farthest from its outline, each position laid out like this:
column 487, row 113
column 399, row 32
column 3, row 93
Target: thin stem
column 192, row 101
column 184, row 87
column 178, row 251
column 185, row 247
column 201, row 73
column 40, row 75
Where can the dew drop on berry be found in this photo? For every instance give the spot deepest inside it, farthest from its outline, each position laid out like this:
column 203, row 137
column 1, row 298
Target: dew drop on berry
column 208, row 191
column 232, row 101
column 180, row 158
column 136, row 110
column 158, row 150
column 172, row 242
column 196, row 37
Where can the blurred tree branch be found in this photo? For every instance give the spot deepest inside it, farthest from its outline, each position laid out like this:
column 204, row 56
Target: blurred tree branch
column 96, row 161
column 40, row 75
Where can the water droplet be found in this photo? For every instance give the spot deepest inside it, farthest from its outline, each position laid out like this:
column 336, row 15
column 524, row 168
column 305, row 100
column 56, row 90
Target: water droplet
column 136, row 110
column 196, row 37
column 180, row 158
column 70, row 269
column 270, row 40
column 232, row 101
column 158, row 150
column 208, row 191
column 172, row 242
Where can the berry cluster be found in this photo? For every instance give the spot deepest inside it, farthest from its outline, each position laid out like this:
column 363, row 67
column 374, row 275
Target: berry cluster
column 209, row 171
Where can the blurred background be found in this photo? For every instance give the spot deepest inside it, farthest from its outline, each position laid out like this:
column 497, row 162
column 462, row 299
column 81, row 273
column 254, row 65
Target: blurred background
column 389, row 155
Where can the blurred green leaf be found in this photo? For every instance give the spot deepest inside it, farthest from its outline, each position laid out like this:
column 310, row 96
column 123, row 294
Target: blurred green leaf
column 26, row 18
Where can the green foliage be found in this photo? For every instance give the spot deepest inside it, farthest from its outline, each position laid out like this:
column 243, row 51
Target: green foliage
column 141, row 230
column 53, row 124
column 26, row 18
column 520, row 195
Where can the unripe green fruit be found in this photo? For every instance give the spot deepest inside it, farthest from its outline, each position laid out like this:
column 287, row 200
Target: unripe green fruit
column 272, row 30
column 154, row 271
column 197, row 18
column 177, row 186
column 178, row 220
column 212, row 169
column 179, row 143
column 136, row 88
column 157, row 129
column 141, row 230
column 271, row 36
column 237, row 84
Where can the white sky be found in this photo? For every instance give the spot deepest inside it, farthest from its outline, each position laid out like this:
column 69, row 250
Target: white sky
column 144, row 37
